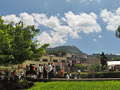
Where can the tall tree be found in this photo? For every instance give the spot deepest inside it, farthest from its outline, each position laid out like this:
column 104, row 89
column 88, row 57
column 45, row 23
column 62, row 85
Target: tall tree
column 104, row 60
column 5, row 43
column 17, row 43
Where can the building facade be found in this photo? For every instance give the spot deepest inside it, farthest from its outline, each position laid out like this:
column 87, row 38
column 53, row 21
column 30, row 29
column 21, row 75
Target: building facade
column 67, row 63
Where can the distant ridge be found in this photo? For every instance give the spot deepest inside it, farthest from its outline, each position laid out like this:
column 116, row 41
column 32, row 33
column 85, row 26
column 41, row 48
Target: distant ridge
column 67, row 49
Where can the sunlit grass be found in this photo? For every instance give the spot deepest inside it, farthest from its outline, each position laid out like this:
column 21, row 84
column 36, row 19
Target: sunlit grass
column 77, row 85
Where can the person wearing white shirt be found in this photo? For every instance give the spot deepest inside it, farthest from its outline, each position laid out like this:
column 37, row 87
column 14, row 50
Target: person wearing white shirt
column 40, row 69
column 49, row 68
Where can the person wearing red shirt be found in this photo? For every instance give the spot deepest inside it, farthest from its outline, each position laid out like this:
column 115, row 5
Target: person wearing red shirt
column 61, row 73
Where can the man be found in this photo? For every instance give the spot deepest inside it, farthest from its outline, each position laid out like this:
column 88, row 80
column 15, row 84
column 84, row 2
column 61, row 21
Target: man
column 40, row 69
column 49, row 70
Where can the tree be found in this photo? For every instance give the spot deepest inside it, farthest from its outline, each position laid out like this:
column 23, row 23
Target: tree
column 17, row 43
column 5, row 43
column 95, row 67
column 81, row 67
column 104, row 60
column 118, row 32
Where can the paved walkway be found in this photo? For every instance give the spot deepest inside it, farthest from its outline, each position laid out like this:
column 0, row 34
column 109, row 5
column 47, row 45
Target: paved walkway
column 64, row 79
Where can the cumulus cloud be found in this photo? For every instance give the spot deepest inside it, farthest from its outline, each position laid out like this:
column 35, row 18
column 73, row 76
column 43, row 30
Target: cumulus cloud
column 25, row 17
column 11, row 18
column 53, row 38
column 82, row 22
column 28, row 19
column 58, row 30
column 112, row 19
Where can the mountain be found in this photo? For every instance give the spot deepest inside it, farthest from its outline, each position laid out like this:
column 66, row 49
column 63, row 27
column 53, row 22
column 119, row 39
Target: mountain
column 67, row 49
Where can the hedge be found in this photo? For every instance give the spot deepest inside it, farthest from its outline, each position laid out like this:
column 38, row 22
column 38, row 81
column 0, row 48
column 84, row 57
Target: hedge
column 97, row 75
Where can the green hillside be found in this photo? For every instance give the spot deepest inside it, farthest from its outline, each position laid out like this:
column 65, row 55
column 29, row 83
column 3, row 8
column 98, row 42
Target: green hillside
column 66, row 49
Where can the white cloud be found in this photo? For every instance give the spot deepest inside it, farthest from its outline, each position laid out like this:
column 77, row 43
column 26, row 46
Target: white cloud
column 59, row 30
column 54, row 39
column 94, row 40
column 82, row 22
column 99, row 36
column 112, row 19
column 11, row 18
column 25, row 17
column 28, row 19
column 51, row 22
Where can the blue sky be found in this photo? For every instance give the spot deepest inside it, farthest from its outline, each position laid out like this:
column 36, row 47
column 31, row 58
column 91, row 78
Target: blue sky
column 88, row 24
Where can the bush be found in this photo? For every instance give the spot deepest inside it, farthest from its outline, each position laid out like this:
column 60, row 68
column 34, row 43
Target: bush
column 101, row 75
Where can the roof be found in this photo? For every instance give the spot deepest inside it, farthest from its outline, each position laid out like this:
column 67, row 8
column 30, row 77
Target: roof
column 113, row 63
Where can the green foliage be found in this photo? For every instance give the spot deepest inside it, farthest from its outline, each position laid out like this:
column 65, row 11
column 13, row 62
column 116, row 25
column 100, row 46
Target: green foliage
column 110, row 56
column 94, row 67
column 57, row 53
column 81, row 67
column 77, row 85
column 118, row 32
column 104, row 60
column 16, row 43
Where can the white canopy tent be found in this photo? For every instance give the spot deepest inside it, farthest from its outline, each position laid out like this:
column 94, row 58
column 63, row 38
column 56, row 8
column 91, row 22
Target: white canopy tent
column 110, row 63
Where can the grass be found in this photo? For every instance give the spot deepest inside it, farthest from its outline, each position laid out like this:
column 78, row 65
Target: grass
column 77, row 85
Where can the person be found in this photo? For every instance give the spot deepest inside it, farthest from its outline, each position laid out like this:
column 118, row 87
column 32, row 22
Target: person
column 27, row 69
column 61, row 73
column 49, row 68
column 31, row 68
column 14, row 73
column 44, row 71
column 53, row 70
column 34, row 69
column 79, row 71
column 19, row 76
column 40, row 70
column 75, row 75
column 70, row 74
column 22, row 75
column 15, row 76
column 67, row 76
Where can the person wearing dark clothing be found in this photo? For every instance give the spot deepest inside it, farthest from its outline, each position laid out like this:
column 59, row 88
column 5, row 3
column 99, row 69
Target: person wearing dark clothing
column 52, row 72
column 27, row 69
column 44, row 71
column 31, row 69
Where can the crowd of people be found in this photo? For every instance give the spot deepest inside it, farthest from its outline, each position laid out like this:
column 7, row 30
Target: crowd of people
column 42, row 71
column 48, row 71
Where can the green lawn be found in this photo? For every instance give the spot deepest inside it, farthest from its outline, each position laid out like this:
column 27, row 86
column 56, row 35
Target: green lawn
column 77, row 85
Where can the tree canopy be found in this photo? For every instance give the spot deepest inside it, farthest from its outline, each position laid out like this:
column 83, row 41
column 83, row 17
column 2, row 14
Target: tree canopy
column 118, row 32
column 16, row 43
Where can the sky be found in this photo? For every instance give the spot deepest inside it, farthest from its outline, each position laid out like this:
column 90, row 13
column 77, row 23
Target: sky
column 89, row 25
